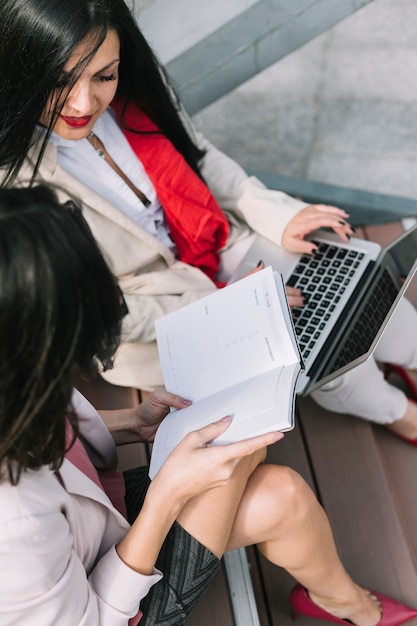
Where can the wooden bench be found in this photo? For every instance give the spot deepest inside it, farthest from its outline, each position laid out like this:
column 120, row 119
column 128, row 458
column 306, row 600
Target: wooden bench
column 365, row 479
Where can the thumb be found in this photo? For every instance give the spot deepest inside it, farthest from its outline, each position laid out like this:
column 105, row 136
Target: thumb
column 210, row 432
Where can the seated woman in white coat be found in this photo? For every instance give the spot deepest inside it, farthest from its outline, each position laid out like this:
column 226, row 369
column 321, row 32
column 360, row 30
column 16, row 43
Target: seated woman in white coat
column 68, row 554
column 85, row 105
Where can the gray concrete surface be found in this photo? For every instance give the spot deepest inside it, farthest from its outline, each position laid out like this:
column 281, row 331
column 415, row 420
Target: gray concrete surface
column 211, row 48
column 341, row 110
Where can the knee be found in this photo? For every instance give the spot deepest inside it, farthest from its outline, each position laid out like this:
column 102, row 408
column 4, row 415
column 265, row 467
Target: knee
column 287, row 491
column 292, row 487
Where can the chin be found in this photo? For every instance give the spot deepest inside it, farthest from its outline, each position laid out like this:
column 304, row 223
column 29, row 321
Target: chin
column 67, row 132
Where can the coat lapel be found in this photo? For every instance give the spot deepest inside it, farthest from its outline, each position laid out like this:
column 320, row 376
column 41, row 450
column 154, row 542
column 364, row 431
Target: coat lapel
column 50, row 172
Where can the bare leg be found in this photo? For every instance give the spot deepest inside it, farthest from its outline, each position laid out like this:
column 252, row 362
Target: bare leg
column 210, row 517
column 292, row 532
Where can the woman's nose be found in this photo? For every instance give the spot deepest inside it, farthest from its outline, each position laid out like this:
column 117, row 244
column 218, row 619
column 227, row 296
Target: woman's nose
column 80, row 98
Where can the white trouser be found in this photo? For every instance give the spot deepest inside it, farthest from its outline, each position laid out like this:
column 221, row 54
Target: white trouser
column 363, row 391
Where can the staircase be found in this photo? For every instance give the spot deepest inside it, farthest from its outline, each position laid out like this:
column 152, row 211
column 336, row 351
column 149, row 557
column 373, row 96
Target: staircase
column 209, row 48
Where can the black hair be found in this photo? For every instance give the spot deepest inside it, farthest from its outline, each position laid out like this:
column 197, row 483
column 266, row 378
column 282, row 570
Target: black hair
column 60, row 313
column 37, row 38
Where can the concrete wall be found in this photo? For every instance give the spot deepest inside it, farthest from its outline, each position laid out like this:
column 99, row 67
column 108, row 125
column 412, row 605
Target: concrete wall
column 209, row 48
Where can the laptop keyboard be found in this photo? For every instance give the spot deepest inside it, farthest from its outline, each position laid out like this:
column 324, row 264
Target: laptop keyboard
column 322, row 278
column 369, row 322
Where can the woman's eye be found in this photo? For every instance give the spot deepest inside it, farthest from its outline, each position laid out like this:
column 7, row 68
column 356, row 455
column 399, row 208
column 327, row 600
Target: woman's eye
column 107, row 77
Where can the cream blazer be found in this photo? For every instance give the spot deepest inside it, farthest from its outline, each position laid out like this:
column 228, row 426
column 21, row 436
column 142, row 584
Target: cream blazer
column 154, row 282
column 54, row 569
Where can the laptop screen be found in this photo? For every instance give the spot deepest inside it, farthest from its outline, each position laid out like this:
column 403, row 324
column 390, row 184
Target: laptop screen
column 365, row 322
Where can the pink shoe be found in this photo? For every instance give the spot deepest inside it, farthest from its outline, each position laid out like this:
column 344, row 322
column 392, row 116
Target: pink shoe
column 390, row 368
column 393, row 613
column 413, row 442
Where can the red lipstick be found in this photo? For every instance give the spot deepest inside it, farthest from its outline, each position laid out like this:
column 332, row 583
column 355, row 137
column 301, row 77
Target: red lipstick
column 76, row 122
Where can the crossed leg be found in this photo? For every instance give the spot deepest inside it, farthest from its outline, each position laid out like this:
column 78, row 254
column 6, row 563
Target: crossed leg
column 293, row 532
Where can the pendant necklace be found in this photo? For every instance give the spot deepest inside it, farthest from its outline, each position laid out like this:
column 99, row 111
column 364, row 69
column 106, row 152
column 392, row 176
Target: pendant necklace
column 93, row 140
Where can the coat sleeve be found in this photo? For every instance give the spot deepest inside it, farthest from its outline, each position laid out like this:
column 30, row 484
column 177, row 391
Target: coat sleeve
column 151, row 295
column 43, row 581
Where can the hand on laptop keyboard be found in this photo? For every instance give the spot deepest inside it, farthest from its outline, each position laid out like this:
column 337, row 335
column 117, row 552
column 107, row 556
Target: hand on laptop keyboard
column 311, row 218
column 294, row 296
column 323, row 279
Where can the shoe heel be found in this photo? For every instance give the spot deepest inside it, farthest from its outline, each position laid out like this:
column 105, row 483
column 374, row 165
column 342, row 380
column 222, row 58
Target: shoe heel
column 294, row 615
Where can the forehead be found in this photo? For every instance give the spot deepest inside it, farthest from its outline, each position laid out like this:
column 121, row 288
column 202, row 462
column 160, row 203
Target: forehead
column 108, row 52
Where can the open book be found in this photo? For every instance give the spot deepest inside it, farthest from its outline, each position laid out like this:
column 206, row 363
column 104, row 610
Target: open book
column 233, row 352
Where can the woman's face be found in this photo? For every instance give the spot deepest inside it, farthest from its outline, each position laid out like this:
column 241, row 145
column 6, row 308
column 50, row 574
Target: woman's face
column 93, row 91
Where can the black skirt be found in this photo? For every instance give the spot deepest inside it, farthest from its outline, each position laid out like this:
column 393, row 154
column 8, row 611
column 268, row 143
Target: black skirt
column 187, row 566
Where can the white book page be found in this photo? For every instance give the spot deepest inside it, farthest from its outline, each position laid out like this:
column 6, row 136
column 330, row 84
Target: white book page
column 260, row 405
column 225, row 338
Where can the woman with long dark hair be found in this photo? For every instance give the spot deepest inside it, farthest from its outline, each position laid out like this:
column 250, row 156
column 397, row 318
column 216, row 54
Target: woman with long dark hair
column 84, row 104
column 68, row 555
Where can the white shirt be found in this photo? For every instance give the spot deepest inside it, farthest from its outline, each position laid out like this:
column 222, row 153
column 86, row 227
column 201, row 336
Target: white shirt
column 81, row 160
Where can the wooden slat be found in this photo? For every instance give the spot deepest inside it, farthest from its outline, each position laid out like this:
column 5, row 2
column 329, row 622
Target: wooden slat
column 214, row 608
column 261, row 598
column 132, row 455
column 383, row 233
column 356, row 494
column 400, row 465
column 360, row 232
column 103, row 395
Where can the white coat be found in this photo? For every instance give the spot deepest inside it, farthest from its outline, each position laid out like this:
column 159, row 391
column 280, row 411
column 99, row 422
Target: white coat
column 154, row 282
column 58, row 563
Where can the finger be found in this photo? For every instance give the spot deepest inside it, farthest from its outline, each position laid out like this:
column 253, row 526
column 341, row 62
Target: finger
column 249, row 446
column 208, row 433
column 319, row 220
column 169, row 399
column 293, row 291
column 177, row 402
column 294, row 296
column 260, row 266
column 344, row 233
column 295, row 301
column 294, row 244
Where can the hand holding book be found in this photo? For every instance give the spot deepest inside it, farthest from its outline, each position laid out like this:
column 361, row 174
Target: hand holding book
column 234, row 353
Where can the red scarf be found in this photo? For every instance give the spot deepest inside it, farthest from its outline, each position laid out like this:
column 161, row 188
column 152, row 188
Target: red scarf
column 197, row 224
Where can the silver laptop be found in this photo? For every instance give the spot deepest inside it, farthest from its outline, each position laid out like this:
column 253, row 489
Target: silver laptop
column 350, row 291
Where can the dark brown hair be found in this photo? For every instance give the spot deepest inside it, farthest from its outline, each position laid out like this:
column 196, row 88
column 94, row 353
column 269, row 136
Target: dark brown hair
column 37, row 38
column 60, row 311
